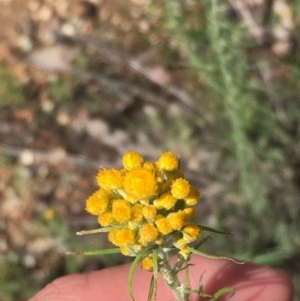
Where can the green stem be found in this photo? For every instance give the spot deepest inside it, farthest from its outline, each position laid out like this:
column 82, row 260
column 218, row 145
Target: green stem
column 169, row 274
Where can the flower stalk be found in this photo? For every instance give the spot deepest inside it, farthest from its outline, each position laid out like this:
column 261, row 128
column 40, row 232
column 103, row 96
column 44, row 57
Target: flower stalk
column 170, row 277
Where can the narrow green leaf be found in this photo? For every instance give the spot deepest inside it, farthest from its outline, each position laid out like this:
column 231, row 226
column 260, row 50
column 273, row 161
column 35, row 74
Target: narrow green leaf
column 155, row 268
column 133, row 266
column 213, row 256
column 214, row 297
column 205, row 228
column 152, row 288
column 155, row 262
column 221, row 292
column 94, row 252
column 200, row 293
column 202, row 241
column 186, row 280
column 99, row 230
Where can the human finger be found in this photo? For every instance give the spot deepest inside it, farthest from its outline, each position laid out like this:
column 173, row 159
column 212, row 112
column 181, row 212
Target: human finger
column 249, row 281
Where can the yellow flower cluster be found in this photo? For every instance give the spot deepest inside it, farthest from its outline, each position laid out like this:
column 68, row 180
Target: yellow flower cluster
column 146, row 203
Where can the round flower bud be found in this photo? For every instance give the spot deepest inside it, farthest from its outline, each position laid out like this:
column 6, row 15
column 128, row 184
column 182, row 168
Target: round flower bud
column 167, row 161
column 105, row 219
column 97, row 202
column 136, row 213
column 163, row 225
column 132, row 160
column 180, row 188
column 190, row 233
column 149, row 213
column 147, row 263
column 148, row 234
column 121, row 210
column 121, row 237
column 140, row 184
column 109, row 179
column 177, row 220
column 165, row 201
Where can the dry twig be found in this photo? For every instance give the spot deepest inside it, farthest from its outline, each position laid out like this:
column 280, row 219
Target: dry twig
column 255, row 31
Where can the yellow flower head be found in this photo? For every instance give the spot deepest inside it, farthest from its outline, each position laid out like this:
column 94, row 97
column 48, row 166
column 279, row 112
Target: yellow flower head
column 105, row 219
column 147, row 263
column 148, row 233
column 132, row 160
column 121, row 237
column 121, row 210
column 165, row 201
column 177, row 220
column 190, row 233
column 97, row 202
column 180, row 188
column 140, row 184
column 149, row 213
column 167, row 161
column 110, row 179
column 136, row 213
column 163, row 225
column 146, row 204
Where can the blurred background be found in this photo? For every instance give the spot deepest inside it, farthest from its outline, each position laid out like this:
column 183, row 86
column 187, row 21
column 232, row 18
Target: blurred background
column 216, row 82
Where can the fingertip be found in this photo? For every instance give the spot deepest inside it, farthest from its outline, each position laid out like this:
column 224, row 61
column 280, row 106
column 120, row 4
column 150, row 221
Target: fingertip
column 249, row 281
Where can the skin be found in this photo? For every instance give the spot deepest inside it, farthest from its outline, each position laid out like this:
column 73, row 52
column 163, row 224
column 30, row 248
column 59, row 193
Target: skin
column 250, row 282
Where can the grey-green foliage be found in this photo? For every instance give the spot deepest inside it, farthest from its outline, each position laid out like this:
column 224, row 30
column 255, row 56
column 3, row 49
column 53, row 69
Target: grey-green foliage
column 217, row 47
